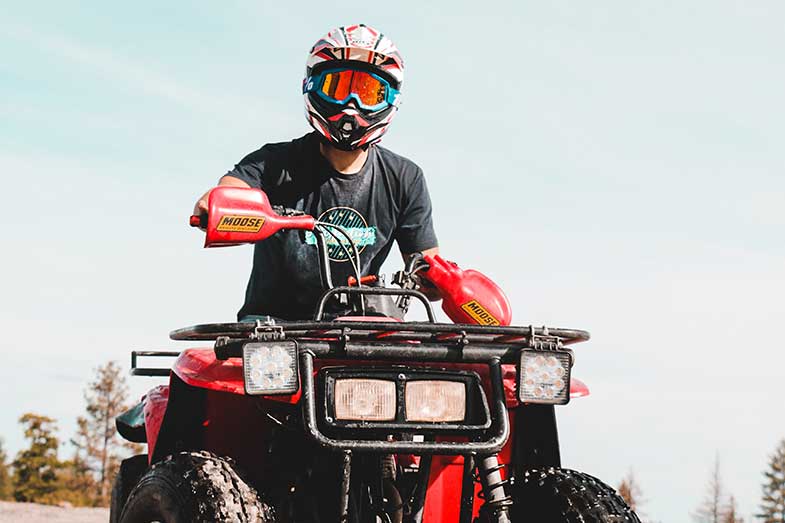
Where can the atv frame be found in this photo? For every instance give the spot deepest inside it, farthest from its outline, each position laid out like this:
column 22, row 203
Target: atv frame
column 489, row 351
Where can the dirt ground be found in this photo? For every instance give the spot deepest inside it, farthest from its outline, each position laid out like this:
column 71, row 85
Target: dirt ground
column 32, row 513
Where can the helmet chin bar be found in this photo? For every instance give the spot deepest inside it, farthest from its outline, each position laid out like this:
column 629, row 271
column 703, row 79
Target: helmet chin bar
column 349, row 128
column 346, row 127
column 348, row 132
column 340, row 144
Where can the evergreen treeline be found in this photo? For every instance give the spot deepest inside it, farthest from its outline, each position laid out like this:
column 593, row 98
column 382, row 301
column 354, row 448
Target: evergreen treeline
column 718, row 505
column 772, row 507
column 37, row 474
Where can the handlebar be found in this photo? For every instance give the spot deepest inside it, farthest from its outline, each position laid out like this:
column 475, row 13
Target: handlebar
column 198, row 220
column 238, row 215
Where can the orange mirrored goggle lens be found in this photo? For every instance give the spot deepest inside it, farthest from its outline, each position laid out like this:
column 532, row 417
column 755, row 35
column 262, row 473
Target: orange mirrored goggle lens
column 338, row 85
column 369, row 89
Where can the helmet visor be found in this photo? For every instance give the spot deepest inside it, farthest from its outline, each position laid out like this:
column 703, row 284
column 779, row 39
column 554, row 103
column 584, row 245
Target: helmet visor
column 371, row 92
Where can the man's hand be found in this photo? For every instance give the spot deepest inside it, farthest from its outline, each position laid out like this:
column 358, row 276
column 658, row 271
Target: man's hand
column 423, row 285
column 201, row 203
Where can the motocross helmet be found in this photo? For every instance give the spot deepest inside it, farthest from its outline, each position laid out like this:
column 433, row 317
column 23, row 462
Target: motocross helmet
column 352, row 86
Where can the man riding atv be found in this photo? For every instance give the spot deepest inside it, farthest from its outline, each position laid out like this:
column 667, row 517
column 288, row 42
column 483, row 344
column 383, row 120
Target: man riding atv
column 335, row 408
column 337, row 174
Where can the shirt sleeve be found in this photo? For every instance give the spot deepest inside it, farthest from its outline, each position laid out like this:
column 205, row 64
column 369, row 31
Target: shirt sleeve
column 415, row 223
column 250, row 169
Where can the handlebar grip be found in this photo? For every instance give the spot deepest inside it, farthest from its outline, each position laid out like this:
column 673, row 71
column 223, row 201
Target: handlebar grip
column 198, row 220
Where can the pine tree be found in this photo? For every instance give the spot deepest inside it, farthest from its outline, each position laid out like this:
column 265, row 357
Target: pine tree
column 773, row 502
column 730, row 512
column 77, row 485
column 5, row 475
column 710, row 510
column 98, row 449
column 77, row 478
column 36, row 468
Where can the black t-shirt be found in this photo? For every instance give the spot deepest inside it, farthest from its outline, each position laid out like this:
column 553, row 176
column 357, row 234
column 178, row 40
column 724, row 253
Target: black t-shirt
column 386, row 200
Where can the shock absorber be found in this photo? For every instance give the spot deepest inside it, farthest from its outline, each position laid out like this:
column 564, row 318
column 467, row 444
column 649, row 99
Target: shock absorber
column 497, row 502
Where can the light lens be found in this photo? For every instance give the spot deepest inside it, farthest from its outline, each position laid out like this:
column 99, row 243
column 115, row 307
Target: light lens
column 338, row 85
column 365, row 399
column 544, row 377
column 435, row 401
column 270, row 368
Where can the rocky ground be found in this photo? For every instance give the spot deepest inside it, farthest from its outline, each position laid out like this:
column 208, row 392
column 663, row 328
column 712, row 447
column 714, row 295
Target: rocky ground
column 32, row 513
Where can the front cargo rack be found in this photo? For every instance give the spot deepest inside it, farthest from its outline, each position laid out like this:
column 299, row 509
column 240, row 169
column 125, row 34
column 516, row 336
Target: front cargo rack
column 385, row 340
column 374, row 330
column 160, row 372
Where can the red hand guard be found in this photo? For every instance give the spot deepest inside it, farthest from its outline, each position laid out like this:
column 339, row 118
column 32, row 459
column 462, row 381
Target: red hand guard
column 468, row 296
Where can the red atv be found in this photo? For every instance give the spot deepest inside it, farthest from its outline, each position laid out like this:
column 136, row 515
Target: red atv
column 357, row 416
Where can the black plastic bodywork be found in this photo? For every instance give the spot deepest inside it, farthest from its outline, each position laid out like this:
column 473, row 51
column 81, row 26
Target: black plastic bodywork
column 536, row 443
column 130, row 424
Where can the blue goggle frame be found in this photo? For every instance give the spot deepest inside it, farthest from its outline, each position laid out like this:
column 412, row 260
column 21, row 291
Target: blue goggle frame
column 313, row 84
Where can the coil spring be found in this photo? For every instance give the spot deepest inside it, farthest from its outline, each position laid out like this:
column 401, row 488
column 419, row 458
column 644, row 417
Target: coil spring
column 498, row 504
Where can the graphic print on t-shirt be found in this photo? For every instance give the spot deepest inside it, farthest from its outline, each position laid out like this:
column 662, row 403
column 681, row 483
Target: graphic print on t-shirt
column 354, row 223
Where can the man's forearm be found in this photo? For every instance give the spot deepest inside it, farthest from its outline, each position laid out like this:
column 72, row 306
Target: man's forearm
column 231, row 181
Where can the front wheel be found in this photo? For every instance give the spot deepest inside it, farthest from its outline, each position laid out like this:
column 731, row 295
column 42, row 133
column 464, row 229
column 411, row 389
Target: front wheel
column 194, row 487
column 561, row 495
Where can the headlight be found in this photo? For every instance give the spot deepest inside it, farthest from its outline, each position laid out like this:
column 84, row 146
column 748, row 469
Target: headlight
column 365, row 399
column 435, row 401
column 544, row 377
column 270, row 368
column 382, row 400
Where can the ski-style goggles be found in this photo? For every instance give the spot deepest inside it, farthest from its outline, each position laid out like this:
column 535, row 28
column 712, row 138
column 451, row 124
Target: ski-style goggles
column 371, row 92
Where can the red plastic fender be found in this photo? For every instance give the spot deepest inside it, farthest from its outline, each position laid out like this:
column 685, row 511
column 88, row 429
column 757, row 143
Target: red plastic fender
column 578, row 389
column 199, row 368
column 155, row 402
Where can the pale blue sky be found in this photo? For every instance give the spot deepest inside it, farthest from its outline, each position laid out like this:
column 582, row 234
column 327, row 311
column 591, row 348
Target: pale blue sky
column 615, row 166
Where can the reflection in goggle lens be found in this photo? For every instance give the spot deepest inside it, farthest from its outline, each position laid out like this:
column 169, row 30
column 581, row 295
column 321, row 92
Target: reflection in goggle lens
column 338, row 85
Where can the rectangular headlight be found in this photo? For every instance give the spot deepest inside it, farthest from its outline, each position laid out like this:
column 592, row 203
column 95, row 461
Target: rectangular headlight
column 270, row 368
column 435, row 401
column 544, row 377
column 362, row 399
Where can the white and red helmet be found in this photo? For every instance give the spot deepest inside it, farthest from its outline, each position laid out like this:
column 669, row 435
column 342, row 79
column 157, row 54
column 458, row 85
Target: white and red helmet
column 367, row 70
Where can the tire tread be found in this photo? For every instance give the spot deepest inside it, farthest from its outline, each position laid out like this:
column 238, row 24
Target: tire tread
column 575, row 496
column 210, row 486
